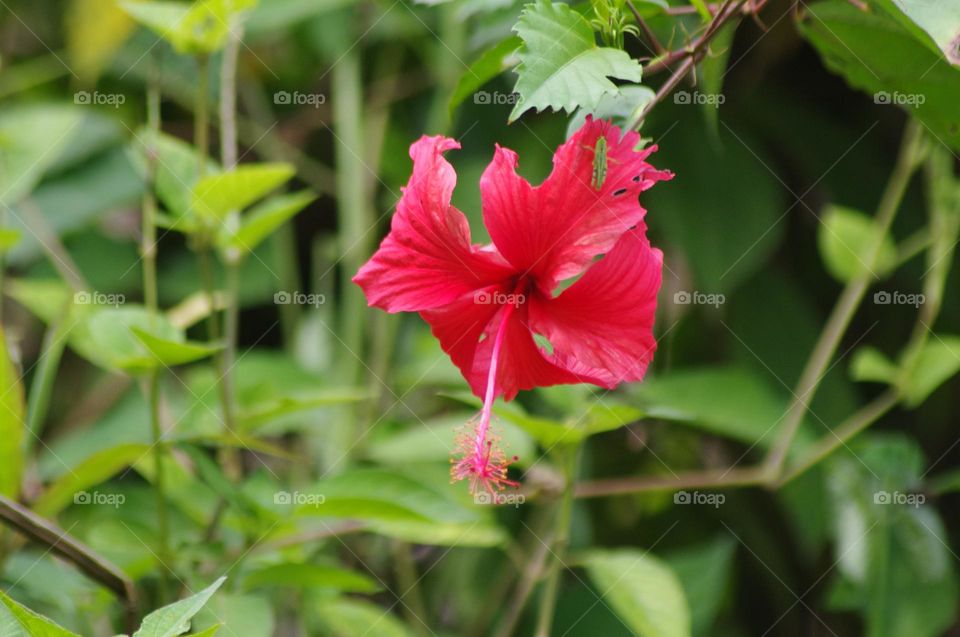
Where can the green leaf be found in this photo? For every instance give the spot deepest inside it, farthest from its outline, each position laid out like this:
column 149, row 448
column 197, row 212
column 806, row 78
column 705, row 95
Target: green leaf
column 938, row 361
column 620, row 108
column 12, row 430
column 173, row 352
column 713, row 68
column 97, row 469
column 278, row 405
column 209, row 632
column 561, row 66
column 174, row 619
column 45, row 298
column 845, row 236
column 105, row 336
column 870, row 364
column 490, row 64
column 9, row 237
column 216, row 195
column 644, row 592
column 192, row 28
column 310, row 576
column 34, row 624
column 877, row 54
column 262, row 220
column 936, row 24
column 704, row 571
column 353, row 617
column 249, row 615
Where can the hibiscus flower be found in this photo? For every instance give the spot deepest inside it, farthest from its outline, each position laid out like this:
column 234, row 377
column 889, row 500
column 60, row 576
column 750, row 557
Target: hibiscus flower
column 498, row 309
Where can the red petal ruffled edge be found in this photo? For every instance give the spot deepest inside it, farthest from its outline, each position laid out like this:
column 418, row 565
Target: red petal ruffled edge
column 555, row 230
column 427, row 260
column 602, row 325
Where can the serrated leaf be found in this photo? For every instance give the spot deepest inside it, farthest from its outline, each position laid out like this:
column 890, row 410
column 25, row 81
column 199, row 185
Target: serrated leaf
column 643, row 591
column 262, row 220
column 490, row 64
column 34, row 624
column 174, row 619
column 216, row 195
column 844, row 238
column 561, row 66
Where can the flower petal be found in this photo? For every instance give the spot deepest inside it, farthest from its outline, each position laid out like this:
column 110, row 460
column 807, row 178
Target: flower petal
column 602, row 325
column 553, row 231
column 466, row 332
column 427, row 259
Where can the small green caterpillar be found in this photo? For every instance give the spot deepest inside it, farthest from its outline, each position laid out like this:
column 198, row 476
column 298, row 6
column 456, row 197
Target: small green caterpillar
column 599, row 163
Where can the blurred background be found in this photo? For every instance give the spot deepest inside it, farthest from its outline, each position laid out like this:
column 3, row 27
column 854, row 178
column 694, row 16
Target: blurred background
column 307, row 459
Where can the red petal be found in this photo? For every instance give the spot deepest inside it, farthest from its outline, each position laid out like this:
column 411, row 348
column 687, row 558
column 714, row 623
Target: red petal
column 553, row 231
column 427, row 259
column 603, row 323
column 460, row 326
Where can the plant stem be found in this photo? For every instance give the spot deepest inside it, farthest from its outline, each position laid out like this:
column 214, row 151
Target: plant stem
column 847, row 304
column 148, row 251
column 201, row 114
column 551, row 588
column 406, row 570
column 730, row 477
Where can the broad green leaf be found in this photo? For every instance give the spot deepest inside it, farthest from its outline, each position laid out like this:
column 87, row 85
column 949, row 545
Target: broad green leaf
column 208, row 632
column 310, row 576
column 870, row 364
column 561, row 66
column 938, row 361
column 704, row 571
column 174, row 619
column 644, row 592
column 845, row 236
column 620, row 108
column 932, row 22
column 346, row 616
column 45, row 298
column 490, row 64
column 198, row 28
column 214, row 196
column 31, row 140
column 9, row 237
column 726, row 401
column 249, row 615
column 12, row 430
column 72, row 486
column 893, row 560
column 105, row 337
column 262, row 220
column 94, row 32
column 453, row 534
column 173, row 352
column 33, row 624
column 877, row 54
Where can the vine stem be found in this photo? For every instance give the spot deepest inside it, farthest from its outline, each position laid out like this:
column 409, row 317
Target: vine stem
column 148, row 250
column 551, row 587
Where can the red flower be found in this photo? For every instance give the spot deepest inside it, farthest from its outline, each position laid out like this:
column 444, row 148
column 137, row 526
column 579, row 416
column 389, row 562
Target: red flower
column 487, row 303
